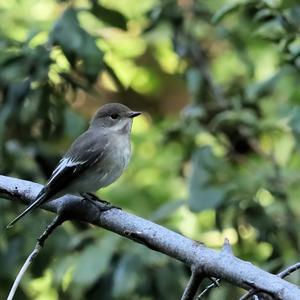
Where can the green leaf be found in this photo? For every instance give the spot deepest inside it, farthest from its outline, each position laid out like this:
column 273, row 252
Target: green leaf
column 62, row 266
column 94, row 261
column 283, row 148
column 74, row 124
column 77, row 45
column 109, row 16
column 194, row 81
column 272, row 30
column 205, row 192
column 126, row 275
column 263, row 14
column 264, row 88
column 164, row 281
column 225, row 10
column 28, row 62
column 12, row 69
column 232, row 117
column 273, row 3
column 295, row 120
column 292, row 16
column 11, row 107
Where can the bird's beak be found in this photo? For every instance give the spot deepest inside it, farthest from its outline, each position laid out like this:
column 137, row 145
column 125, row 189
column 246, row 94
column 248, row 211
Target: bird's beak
column 134, row 114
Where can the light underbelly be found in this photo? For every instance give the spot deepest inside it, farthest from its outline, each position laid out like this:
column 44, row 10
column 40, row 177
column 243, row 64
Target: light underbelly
column 109, row 169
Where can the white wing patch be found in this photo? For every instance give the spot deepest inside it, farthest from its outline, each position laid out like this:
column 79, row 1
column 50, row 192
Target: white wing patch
column 67, row 162
column 64, row 163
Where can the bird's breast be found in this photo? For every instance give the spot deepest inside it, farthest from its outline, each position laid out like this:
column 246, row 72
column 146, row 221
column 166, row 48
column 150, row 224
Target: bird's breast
column 115, row 160
column 120, row 151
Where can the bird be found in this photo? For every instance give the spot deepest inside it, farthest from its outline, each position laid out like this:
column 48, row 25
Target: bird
column 95, row 159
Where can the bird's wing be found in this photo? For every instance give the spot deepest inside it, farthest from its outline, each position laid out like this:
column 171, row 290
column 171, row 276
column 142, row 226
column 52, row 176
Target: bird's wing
column 87, row 150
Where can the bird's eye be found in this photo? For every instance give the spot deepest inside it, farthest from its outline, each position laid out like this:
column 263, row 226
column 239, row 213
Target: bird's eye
column 114, row 116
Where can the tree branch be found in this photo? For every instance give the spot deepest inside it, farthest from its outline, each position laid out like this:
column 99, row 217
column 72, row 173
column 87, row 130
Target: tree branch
column 213, row 263
column 192, row 287
column 286, row 272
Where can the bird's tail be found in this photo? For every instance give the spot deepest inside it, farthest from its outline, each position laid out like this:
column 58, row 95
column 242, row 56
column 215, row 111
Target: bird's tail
column 41, row 198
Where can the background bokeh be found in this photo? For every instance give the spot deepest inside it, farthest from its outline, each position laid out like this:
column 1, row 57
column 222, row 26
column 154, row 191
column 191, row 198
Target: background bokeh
column 216, row 152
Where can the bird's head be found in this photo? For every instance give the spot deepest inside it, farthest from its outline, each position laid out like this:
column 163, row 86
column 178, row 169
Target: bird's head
column 114, row 116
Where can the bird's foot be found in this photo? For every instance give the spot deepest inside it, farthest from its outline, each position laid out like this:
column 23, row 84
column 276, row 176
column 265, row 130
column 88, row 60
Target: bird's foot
column 93, row 199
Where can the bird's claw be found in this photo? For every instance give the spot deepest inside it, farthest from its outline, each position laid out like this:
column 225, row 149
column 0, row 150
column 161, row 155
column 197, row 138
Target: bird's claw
column 105, row 205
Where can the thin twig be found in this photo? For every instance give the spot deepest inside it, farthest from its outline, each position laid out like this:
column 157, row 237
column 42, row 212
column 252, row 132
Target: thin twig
column 248, row 295
column 254, row 291
column 209, row 287
column 24, row 268
column 58, row 220
column 289, row 270
column 193, row 285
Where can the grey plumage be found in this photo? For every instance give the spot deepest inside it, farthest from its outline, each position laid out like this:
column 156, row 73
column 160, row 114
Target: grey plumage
column 95, row 159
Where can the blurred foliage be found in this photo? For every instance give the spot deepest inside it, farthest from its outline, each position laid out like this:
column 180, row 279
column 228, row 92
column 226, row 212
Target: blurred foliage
column 215, row 156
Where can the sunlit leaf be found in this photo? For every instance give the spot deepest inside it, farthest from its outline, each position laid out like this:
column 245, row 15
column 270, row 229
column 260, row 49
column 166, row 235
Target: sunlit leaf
column 77, row 45
column 263, row 88
column 225, row 10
